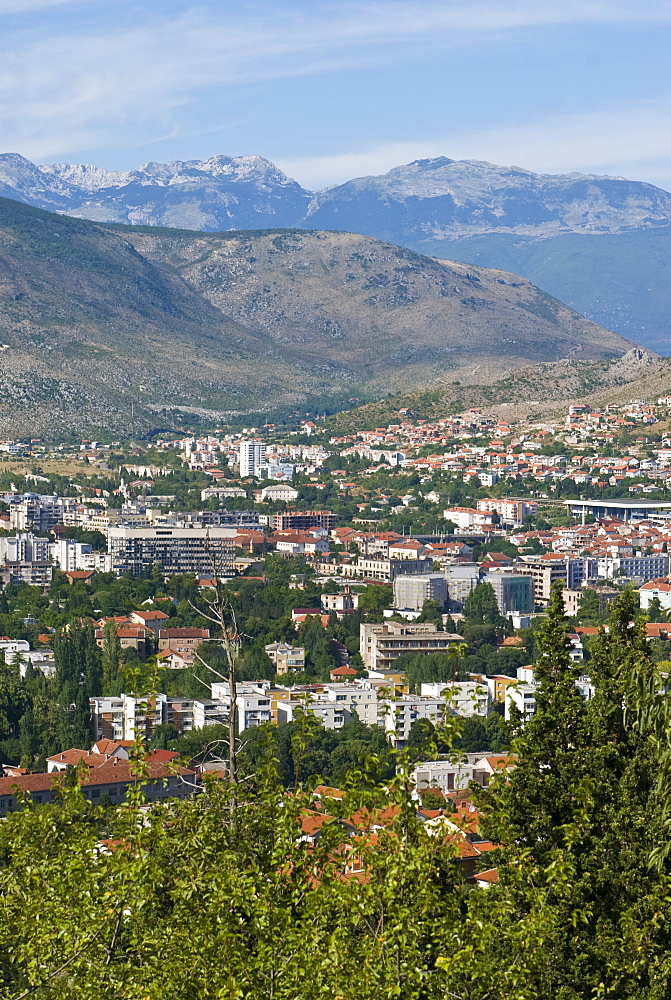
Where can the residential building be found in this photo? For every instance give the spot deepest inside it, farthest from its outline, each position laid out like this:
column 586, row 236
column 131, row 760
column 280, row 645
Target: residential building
column 380, row 645
column 445, row 775
column 24, row 547
column 467, row 517
column 338, row 602
column 659, row 589
column 545, row 569
column 182, row 640
column 301, row 520
column 39, row 512
column 35, row 574
column 511, row 512
column 466, row 698
column 72, row 556
column 413, row 590
column 252, row 454
column 176, row 550
column 385, row 570
column 282, row 492
column 256, row 702
column 286, row 657
column 523, row 698
column 398, row 715
column 110, row 776
column 223, row 493
column 642, row 568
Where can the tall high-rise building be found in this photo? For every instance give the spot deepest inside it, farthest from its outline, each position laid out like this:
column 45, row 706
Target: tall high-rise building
column 252, row 455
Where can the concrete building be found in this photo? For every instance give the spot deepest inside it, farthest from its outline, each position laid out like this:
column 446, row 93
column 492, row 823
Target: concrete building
column 523, row 697
column 572, row 598
column 35, row 574
column 286, row 657
column 68, row 554
column 467, row 698
column 24, row 547
column 120, row 717
column 411, row 591
column 399, row 714
column 511, row 512
column 32, row 510
column 384, row 570
column 183, row 640
column 640, row 568
column 300, row 520
column 660, row 589
column 177, row 550
column 380, row 645
column 467, row 517
column 252, row 454
column 545, row 569
column 446, row 775
column 462, row 578
column 514, row 592
column 283, row 492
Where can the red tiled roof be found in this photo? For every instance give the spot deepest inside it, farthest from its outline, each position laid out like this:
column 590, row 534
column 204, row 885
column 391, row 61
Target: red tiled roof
column 114, row 771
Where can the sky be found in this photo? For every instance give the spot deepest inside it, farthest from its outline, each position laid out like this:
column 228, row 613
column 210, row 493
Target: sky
column 330, row 91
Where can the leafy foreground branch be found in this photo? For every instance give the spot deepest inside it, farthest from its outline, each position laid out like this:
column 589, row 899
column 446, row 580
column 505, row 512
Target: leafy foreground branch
column 362, row 900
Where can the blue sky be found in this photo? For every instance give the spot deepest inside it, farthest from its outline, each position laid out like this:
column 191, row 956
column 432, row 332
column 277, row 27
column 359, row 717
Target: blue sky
column 335, row 90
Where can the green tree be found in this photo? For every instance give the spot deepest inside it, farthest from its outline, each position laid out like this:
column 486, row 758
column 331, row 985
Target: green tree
column 432, row 611
column 112, row 678
column 375, row 598
column 482, row 608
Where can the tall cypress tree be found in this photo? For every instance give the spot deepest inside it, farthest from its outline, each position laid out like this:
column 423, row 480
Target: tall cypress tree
column 111, row 660
column 578, row 808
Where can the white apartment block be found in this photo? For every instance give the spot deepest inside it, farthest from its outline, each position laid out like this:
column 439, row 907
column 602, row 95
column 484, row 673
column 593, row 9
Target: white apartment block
column 120, row 717
column 39, row 512
column 398, row 714
column 446, row 775
column 254, row 703
column 467, row 698
column 24, row 547
column 70, row 555
column 511, row 512
column 252, row 455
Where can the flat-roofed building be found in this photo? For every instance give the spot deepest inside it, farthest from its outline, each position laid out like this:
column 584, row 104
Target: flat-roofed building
column 380, row 645
column 286, row 657
column 177, row 550
column 514, row 591
column 411, row 591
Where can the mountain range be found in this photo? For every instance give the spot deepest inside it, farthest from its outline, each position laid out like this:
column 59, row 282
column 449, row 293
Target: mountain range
column 601, row 244
column 104, row 324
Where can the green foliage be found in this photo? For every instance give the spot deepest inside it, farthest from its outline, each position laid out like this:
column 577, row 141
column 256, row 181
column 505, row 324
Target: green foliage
column 222, row 897
column 482, row 608
column 375, row 598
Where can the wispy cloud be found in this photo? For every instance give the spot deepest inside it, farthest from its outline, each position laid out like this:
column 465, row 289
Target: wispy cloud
column 634, row 139
column 82, row 89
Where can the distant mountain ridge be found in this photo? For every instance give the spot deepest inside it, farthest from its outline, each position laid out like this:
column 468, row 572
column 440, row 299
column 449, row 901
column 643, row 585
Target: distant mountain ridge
column 102, row 324
column 434, row 198
column 601, row 244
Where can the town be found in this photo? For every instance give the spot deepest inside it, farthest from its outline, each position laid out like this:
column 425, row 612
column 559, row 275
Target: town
column 409, row 569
